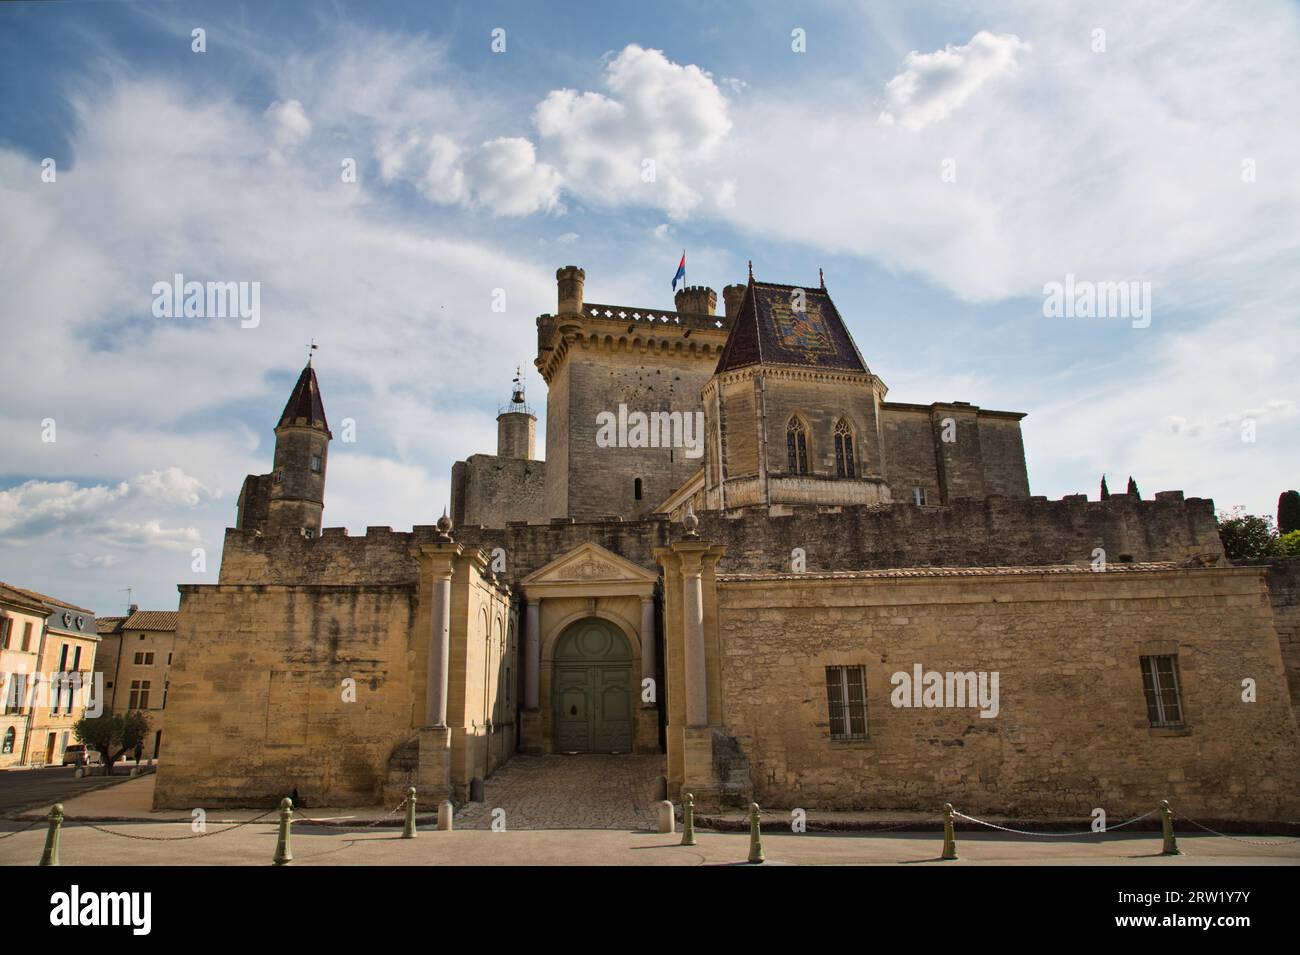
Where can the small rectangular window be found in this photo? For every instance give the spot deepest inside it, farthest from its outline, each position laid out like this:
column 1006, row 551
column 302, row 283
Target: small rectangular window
column 918, row 495
column 315, row 463
column 846, row 699
column 1160, row 684
column 27, row 636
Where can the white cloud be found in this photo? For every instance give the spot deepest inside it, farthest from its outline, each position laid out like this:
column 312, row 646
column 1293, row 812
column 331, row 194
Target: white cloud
column 933, row 85
column 88, row 561
column 289, row 123
column 173, row 486
column 658, row 111
column 506, row 178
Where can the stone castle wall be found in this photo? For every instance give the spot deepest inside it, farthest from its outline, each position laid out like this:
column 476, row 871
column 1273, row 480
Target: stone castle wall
column 491, row 490
column 1072, row 731
column 602, row 480
column 255, row 703
column 1284, row 595
column 979, row 533
column 987, row 457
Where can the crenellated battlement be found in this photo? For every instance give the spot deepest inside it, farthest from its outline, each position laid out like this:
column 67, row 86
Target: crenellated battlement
column 989, row 532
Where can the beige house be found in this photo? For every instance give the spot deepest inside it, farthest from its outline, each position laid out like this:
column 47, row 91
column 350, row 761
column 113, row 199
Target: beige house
column 135, row 658
column 48, row 663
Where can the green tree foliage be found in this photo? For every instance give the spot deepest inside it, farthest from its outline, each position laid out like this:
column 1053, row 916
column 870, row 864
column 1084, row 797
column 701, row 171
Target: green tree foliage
column 1133, row 488
column 1105, row 491
column 1291, row 543
column 113, row 734
column 1288, row 512
column 1247, row 535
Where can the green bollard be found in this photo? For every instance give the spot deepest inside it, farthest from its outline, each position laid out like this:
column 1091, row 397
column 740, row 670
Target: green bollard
column 408, row 832
column 688, row 821
column 283, row 852
column 51, row 854
column 949, row 838
column 1167, row 828
column 755, row 835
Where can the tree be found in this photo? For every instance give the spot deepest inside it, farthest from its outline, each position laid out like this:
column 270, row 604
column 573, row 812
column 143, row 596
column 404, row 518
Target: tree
column 1105, row 491
column 1290, row 543
column 1246, row 536
column 1288, row 512
column 1133, row 488
column 112, row 734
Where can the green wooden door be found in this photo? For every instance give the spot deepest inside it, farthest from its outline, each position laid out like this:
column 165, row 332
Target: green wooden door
column 593, row 690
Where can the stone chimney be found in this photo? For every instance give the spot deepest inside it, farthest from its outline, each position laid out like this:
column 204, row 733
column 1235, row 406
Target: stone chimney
column 132, row 609
column 696, row 300
column 732, row 296
column 570, row 281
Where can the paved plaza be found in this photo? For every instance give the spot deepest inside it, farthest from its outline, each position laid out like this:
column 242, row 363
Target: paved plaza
column 566, row 810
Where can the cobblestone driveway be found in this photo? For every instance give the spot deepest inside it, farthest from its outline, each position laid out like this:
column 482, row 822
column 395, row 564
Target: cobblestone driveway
column 570, row 792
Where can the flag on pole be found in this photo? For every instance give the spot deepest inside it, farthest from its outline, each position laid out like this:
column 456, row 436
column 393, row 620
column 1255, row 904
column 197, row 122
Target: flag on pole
column 681, row 272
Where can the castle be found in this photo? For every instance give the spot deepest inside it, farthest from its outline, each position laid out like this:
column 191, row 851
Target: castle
column 739, row 554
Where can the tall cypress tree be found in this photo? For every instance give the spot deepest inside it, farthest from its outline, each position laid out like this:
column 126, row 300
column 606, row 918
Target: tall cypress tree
column 1133, row 488
column 1288, row 512
column 1105, row 491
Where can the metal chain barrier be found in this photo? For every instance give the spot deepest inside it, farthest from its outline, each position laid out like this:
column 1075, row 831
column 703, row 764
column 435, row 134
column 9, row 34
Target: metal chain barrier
column 360, row 825
column 816, row 827
column 1056, row 835
column 1249, row 842
column 197, row 835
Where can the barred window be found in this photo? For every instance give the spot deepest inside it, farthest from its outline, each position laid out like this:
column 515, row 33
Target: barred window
column 1160, row 683
column 796, row 447
column 918, row 495
column 844, row 466
column 846, row 697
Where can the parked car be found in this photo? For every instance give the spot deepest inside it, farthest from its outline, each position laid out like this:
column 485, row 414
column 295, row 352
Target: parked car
column 78, row 755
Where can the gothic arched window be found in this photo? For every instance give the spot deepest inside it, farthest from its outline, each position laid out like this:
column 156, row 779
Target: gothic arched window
column 796, row 446
column 843, row 449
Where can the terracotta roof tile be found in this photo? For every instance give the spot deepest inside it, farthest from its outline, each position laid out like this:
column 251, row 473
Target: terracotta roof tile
column 152, row 620
column 32, row 595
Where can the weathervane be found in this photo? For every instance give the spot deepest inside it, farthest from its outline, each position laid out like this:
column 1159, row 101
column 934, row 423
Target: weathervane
column 517, row 397
column 310, row 350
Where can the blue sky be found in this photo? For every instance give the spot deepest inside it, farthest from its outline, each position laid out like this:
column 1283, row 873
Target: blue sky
column 1112, row 156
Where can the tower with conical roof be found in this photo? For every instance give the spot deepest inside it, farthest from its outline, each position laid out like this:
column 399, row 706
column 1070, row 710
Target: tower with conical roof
column 292, row 497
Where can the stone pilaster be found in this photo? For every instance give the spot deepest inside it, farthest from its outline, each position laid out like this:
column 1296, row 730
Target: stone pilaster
column 690, row 659
column 437, row 567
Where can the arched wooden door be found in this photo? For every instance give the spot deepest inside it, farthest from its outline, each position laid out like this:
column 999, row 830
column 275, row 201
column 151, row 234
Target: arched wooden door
column 593, row 689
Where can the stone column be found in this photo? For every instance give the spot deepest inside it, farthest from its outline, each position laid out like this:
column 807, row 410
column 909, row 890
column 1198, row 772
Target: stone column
column 648, row 645
column 435, row 697
column 533, row 654
column 697, row 699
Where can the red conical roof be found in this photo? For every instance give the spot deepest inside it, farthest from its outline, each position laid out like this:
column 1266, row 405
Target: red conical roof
column 305, row 408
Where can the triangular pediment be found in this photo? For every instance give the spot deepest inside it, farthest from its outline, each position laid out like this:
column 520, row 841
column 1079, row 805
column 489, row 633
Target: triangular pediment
column 588, row 564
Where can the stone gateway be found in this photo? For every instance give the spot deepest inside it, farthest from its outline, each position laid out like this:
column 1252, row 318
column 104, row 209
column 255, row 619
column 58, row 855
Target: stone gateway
column 742, row 611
